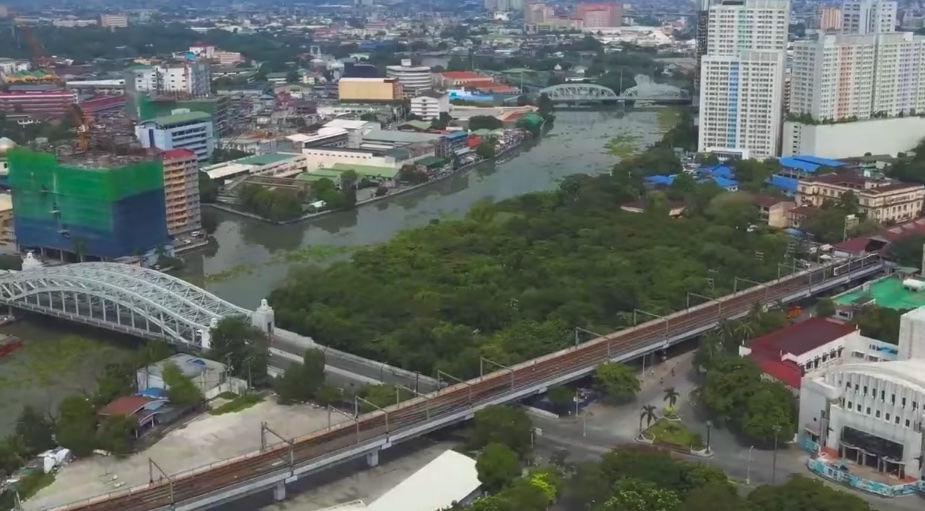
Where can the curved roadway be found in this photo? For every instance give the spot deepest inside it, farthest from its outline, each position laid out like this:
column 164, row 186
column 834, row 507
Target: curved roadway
column 258, row 465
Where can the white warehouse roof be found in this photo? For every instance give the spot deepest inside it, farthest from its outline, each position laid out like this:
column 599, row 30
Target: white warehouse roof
column 451, row 477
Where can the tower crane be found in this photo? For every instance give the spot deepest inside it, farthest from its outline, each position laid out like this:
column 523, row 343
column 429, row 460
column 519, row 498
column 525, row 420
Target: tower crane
column 81, row 123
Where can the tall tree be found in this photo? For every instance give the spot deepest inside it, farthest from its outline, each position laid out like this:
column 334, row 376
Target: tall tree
column 617, row 380
column 505, row 425
column 497, row 466
column 243, row 346
column 77, row 425
column 35, row 429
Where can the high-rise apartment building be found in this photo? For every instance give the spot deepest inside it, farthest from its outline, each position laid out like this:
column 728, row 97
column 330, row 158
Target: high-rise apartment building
column 537, row 13
column 868, row 16
column 742, row 77
column 829, row 18
column 847, row 76
column 600, row 14
column 181, row 191
column 189, row 79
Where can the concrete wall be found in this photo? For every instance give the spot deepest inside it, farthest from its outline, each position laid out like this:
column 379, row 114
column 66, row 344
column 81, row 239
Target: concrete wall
column 875, row 136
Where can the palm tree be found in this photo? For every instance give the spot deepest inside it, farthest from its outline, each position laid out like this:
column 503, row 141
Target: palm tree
column 648, row 415
column 671, row 395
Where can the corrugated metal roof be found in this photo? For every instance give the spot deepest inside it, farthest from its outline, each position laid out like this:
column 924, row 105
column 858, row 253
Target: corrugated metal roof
column 828, row 162
column 167, row 120
column 793, row 163
column 450, row 478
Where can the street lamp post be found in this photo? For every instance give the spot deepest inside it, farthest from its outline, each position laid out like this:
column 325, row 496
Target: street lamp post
column 709, row 429
column 776, row 429
column 656, row 316
column 748, row 468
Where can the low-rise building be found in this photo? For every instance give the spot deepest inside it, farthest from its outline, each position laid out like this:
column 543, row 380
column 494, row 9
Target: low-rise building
column 272, row 165
column 882, row 200
column 38, row 101
column 787, row 354
column 191, row 130
column 775, row 211
column 429, row 104
column 205, row 374
column 324, row 137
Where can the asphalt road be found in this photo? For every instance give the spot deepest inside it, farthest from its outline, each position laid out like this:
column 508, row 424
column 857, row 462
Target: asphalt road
column 344, row 369
column 600, row 428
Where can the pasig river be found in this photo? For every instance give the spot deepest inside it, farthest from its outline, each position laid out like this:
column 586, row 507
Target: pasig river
column 250, row 258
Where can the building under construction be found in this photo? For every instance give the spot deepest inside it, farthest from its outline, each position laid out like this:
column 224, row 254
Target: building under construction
column 91, row 205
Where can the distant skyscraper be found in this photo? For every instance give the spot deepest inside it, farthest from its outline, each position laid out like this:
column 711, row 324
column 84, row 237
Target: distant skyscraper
column 868, row 16
column 742, row 77
column 600, row 14
column 829, row 18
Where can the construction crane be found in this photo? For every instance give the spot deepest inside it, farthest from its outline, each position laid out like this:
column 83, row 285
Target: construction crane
column 42, row 62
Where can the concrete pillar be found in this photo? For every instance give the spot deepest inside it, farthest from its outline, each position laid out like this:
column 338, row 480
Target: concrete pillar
column 372, row 459
column 279, row 491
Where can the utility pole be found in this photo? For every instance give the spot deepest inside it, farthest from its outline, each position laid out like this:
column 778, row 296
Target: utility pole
column 776, row 429
column 151, row 466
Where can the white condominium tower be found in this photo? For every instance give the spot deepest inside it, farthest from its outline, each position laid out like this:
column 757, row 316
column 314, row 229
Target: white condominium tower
column 840, row 77
column 742, row 77
column 868, row 16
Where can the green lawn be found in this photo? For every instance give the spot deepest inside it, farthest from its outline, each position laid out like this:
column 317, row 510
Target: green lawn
column 674, row 433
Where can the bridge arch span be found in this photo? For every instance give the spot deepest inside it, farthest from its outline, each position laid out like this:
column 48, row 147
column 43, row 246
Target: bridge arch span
column 579, row 92
column 120, row 297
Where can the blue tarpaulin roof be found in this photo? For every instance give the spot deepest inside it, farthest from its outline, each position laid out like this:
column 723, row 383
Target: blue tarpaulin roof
column 793, row 163
column 786, row 184
column 828, row 162
column 725, row 183
column 723, row 171
column 660, row 179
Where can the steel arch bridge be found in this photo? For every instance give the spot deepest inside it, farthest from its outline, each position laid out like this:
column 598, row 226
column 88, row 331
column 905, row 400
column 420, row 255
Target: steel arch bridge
column 118, row 297
column 580, row 92
column 644, row 90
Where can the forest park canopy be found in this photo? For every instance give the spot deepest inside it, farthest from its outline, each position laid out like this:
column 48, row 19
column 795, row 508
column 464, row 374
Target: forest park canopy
column 512, row 280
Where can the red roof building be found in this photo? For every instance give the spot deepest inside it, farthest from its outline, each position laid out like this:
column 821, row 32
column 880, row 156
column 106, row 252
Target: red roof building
column 789, row 353
column 880, row 242
column 125, row 405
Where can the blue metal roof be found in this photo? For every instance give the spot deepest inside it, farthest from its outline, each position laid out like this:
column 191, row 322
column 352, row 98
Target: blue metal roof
column 786, row 184
column 725, row 183
column 819, row 161
column 456, row 134
column 661, row 179
column 793, row 163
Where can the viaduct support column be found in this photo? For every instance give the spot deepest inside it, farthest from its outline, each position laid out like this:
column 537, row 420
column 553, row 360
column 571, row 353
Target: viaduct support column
column 279, row 491
column 372, row 459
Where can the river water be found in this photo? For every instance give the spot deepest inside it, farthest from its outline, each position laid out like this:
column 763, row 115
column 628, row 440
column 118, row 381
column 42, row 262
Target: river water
column 248, row 259
column 252, row 258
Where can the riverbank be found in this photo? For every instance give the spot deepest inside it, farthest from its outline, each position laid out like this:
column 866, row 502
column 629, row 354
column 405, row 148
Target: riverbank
column 499, row 158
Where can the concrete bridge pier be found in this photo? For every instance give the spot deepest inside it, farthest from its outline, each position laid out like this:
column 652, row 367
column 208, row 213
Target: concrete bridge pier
column 372, row 459
column 279, row 491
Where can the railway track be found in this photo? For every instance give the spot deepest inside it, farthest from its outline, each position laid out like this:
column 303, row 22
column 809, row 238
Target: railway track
column 276, row 459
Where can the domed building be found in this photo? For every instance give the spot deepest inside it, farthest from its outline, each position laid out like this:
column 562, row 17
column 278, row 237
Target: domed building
column 5, row 145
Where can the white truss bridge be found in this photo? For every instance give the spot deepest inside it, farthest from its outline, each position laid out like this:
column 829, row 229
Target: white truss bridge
column 119, row 297
column 644, row 90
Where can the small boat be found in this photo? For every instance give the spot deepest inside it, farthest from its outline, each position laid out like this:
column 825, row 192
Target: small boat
column 8, row 345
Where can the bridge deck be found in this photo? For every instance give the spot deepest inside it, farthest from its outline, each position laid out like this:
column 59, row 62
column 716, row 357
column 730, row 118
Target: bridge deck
column 200, row 488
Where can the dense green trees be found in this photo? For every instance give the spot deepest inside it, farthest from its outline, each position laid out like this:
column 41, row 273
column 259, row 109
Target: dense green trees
column 737, row 397
column 507, row 425
column 509, row 280
column 617, row 380
column 301, row 383
column 486, row 150
column 271, row 203
column 77, row 425
column 497, row 466
column 242, row 346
